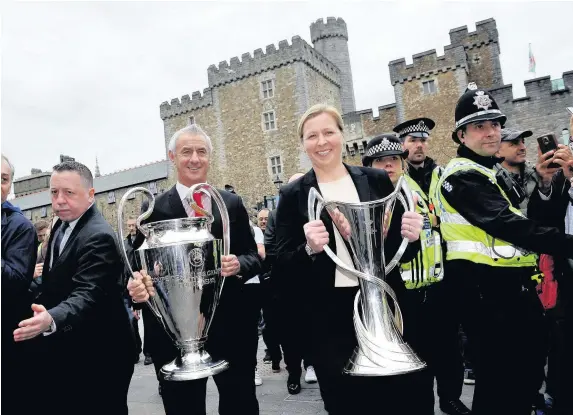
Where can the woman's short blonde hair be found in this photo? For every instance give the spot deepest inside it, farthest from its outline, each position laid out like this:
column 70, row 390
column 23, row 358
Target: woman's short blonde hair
column 317, row 110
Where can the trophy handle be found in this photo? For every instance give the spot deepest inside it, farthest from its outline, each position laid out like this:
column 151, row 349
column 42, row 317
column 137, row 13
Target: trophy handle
column 151, row 302
column 404, row 195
column 216, row 196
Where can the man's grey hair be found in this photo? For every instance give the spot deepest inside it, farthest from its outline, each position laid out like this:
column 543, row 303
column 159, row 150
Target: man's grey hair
column 4, row 158
column 79, row 168
column 192, row 129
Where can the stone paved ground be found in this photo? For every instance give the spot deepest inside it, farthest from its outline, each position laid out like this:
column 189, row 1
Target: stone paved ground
column 272, row 395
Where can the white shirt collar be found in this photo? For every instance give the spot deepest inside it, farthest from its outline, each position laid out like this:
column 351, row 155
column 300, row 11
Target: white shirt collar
column 183, row 191
column 72, row 224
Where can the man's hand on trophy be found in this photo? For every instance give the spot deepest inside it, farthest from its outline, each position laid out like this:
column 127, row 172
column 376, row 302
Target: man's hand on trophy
column 316, row 235
column 140, row 287
column 412, row 224
column 230, row 265
column 341, row 223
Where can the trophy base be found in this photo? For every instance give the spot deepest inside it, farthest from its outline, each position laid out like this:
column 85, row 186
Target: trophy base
column 191, row 366
column 360, row 365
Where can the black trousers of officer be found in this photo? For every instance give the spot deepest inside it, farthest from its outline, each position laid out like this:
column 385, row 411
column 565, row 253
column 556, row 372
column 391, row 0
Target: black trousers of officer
column 334, row 341
column 235, row 385
column 503, row 319
column 431, row 328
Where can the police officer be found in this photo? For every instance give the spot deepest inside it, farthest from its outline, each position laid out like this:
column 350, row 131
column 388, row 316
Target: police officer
column 429, row 328
column 488, row 263
column 422, row 169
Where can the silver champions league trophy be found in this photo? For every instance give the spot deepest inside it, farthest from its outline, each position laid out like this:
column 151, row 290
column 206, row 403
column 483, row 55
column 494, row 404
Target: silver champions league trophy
column 183, row 260
column 381, row 351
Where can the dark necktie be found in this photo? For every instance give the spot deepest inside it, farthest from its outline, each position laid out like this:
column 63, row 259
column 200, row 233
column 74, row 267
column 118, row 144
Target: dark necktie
column 58, row 240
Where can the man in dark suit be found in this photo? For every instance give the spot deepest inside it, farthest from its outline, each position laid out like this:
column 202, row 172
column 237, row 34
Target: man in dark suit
column 18, row 259
column 232, row 331
column 84, row 350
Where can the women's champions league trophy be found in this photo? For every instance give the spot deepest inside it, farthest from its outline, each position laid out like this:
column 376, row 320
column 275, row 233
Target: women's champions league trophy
column 381, row 351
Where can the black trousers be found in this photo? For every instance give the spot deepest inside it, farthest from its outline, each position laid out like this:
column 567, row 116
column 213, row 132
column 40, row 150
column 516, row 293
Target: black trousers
column 431, row 328
column 295, row 336
column 334, row 341
column 271, row 331
column 503, row 320
column 560, row 359
column 236, row 385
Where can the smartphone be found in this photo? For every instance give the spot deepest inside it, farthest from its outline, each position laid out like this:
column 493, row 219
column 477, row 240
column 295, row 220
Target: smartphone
column 547, row 143
column 570, row 109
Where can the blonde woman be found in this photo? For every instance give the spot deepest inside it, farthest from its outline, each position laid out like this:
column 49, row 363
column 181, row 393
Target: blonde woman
column 327, row 293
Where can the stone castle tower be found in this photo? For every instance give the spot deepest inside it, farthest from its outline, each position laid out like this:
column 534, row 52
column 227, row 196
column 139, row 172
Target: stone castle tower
column 252, row 106
column 331, row 40
column 431, row 85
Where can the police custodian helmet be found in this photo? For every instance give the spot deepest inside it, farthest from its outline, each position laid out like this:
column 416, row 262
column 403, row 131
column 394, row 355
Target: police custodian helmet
column 382, row 146
column 476, row 105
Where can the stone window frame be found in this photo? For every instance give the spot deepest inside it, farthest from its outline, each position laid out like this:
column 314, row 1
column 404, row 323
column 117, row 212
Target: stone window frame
column 431, row 81
column 152, row 186
column 44, row 212
column 269, row 90
column 275, row 165
column 271, row 122
column 28, row 214
column 191, row 120
column 111, row 197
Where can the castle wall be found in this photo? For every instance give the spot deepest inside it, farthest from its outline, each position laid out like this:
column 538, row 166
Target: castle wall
column 542, row 110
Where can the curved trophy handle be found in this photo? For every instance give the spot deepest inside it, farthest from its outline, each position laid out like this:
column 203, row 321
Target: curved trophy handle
column 216, row 196
column 403, row 193
column 150, row 303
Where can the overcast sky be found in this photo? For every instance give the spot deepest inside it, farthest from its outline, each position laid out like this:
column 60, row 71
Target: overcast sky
column 86, row 79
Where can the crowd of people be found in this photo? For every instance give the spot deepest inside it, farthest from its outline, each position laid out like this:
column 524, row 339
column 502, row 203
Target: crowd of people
column 489, row 260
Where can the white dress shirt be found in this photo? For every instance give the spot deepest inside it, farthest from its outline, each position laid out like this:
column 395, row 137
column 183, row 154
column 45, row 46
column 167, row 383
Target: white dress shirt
column 183, row 191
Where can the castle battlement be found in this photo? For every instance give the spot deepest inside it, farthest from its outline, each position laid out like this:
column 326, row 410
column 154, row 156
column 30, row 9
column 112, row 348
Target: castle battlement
column 427, row 63
column 186, row 104
column 538, row 88
column 272, row 58
column 486, row 32
column 332, row 28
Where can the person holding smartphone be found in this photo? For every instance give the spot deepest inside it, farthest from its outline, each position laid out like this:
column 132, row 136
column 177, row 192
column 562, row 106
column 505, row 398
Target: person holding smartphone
column 557, row 211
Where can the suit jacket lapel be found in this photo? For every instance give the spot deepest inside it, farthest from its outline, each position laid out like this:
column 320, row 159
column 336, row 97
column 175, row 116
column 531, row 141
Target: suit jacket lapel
column 79, row 225
column 360, row 182
column 177, row 209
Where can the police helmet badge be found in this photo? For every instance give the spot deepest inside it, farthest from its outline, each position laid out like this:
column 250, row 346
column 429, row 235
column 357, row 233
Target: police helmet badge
column 481, row 100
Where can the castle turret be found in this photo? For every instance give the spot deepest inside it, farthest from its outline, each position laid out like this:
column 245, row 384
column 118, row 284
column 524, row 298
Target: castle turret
column 330, row 39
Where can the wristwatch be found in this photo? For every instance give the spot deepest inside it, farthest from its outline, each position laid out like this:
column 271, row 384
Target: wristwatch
column 309, row 250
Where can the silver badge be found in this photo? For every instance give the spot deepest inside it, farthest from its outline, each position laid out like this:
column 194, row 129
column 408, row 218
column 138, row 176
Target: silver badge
column 482, row 101
column 421, row 125
column 385, row 142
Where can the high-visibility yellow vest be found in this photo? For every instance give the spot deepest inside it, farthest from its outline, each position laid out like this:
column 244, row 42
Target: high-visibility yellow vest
column 466, row 241
column 425, row 268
